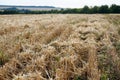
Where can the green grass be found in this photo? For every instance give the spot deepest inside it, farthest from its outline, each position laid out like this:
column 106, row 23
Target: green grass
column 3, row 58
column 104, row 77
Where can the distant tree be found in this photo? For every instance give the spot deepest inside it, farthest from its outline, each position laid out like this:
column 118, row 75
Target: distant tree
column 115, row 8
column 85, row 9
column 104, row 9
column 1, row 12
column 94, row 9
column 11, row 12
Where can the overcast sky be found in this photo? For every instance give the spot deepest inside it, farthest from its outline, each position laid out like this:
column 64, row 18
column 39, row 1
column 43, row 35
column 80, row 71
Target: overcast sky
column 60, row 3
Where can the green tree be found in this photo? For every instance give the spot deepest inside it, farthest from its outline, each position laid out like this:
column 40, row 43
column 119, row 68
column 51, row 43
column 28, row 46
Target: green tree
column 94, row 9
column 104, row 9
column 85, row 9
column 114, row 8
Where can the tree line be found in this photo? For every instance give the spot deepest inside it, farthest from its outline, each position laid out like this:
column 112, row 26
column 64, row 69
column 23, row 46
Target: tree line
column 86, row 10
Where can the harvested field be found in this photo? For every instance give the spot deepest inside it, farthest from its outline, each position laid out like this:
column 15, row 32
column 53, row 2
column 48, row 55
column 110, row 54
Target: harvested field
column 60, row 47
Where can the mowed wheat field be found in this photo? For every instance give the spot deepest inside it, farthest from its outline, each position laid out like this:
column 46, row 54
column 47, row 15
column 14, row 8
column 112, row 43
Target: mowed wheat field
column 60, row 47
